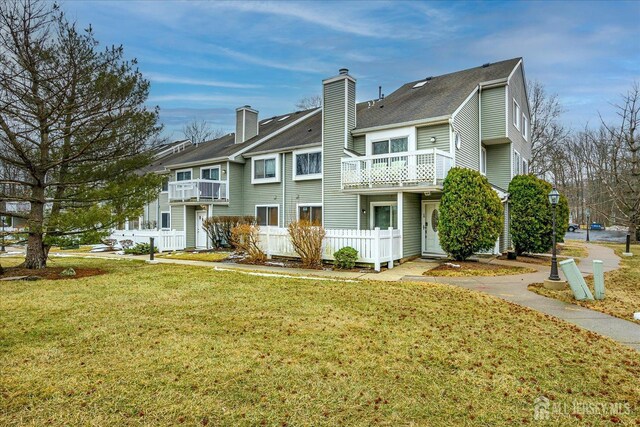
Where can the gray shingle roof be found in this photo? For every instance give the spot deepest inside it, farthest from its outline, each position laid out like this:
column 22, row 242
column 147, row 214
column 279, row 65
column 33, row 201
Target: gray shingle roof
column 440, row 96
column 226, row 146
column 307, row 132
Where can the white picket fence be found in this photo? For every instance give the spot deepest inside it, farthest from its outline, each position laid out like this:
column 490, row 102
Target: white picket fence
column 373, row 246
column 164, row 240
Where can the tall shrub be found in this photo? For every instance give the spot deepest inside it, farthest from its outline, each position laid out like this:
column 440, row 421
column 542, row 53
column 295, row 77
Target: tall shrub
column 471, row 214
column 245, row 238
column 307, row 241
column 218, row 228
column 531, row 222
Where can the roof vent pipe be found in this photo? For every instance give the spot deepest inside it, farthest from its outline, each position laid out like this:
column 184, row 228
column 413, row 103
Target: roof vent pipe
column 343, row 71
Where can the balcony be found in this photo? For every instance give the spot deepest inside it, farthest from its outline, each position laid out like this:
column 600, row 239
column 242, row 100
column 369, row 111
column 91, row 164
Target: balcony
column 198, row 190
column 424, row 168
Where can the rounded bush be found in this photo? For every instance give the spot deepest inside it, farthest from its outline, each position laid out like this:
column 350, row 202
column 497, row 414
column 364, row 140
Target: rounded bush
column 471, row 214
column 346, row 257
column 531, row 215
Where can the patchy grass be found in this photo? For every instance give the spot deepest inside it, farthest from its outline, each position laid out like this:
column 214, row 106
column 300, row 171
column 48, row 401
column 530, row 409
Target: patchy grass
column 169, row 344
column 196, row 256
column 622, row 289
column 471, row 268
column 572, row 250
column 83, row 248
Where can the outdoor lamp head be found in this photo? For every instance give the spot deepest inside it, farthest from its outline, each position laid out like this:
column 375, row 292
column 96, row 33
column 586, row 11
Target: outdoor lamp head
column 554, row 197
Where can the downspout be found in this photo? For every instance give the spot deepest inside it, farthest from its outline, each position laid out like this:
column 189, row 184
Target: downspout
column 284, row 184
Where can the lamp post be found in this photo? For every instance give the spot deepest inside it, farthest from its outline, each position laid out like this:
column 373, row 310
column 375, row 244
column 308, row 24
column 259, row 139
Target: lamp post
column 588, row 222
column 554, row 198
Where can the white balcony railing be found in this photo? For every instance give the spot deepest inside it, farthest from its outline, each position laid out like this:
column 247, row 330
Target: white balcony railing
column 198, row 190
column 424, row 167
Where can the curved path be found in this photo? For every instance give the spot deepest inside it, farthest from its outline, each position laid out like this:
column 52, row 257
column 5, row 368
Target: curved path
column 514, row 289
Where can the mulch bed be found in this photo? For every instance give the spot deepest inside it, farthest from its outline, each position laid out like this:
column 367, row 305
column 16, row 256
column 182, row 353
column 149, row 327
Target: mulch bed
column 531, row 259
column 49, row 273
column 468, row 266
column 295, row 263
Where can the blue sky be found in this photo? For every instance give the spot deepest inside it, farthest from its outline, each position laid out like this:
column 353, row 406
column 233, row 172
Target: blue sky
column 204, row 59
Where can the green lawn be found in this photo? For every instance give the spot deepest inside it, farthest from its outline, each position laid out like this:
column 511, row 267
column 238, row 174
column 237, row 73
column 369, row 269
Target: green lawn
column 169, row 344
column 622, row 288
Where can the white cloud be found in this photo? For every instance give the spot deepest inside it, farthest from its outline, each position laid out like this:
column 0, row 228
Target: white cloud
column 161, row 78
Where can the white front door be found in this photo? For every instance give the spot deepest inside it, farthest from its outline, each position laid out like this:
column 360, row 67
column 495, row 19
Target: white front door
column 201, row 235
column 430, row 220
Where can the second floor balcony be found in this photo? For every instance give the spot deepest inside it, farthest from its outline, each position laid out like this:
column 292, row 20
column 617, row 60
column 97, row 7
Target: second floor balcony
column 423, row 168
column 198, row 190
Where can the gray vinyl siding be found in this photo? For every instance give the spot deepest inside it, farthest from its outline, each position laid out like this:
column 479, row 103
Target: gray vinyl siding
column 251, row 125
column 440, row 132
column 499, row 165
column 411, row 224
column 298, row 192
column 466, row 123
column 493, row 113
column 261, row 194
column 191, row 226
column 360, row 144
column 235, row 176
column 517, row 91
column 340, row 210
column 177, row 217
column 239, row 134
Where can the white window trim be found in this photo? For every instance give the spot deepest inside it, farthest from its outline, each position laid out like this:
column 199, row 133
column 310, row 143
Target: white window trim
column 408, row 132
column 525, row 127
column 273, row 205
column 372, row 215
column 190, row 170
column 483, row 150
column 161, row 185
column 516, row 117
column 516, row 165
column 311, row 205
column 297, row 177
column 255, row 180
column 160, row 222
column 525, row 165
column 212, row 167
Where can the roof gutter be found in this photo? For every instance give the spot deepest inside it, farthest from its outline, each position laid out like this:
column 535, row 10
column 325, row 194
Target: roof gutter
column 429, row 121
column 195, row 163
column 284, row 149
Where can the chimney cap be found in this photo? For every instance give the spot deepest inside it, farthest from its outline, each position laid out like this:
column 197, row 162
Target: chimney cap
column 343, row 71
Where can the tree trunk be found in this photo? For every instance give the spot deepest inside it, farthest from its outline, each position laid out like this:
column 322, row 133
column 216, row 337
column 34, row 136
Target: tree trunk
column 633, row 232
column 36, row 256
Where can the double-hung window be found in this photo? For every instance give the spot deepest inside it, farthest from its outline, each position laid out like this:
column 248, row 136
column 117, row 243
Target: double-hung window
column 311, row 213
column 516, row 114
column 525, row 128
column 267, row 215
column 308, row 165
column 265, row 169
column 165, row 185
column 392, row 145
column 165, row 220
column 483, row 161
column 183, row 175
column 517, row 163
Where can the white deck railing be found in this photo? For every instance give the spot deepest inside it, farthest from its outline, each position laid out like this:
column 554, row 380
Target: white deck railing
column 198, row 190
column 373, row 246
column 424, row 167
column 164, row 240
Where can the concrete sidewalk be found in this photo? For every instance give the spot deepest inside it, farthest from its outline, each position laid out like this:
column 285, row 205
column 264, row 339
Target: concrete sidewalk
column 514, row 289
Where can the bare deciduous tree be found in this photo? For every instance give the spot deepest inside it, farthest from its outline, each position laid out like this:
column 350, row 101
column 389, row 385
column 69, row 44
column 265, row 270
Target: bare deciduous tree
column 547, row 133
column 309, row 102
column 199, row 131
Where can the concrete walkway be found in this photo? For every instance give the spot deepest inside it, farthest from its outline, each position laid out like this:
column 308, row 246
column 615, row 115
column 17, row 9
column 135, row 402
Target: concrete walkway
column 514, row 289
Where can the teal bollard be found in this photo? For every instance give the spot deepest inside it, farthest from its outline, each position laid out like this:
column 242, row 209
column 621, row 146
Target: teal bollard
column 576, row 282
column 598, row 278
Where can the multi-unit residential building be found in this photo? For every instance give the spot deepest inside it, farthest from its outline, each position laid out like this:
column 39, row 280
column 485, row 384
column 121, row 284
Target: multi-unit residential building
column 355, row 165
